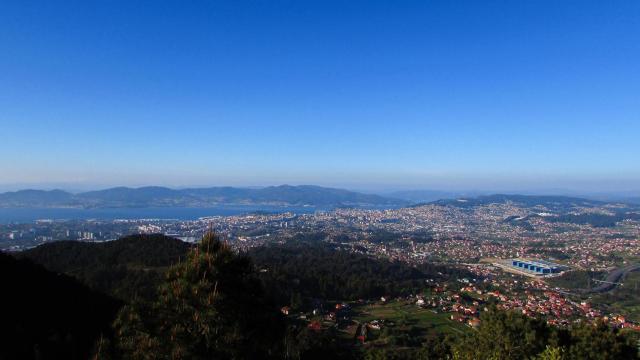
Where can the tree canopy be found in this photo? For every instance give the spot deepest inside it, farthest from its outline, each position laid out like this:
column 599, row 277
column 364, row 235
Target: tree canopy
column 211, row 305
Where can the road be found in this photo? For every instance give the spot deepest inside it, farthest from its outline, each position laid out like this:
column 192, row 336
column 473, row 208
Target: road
column 613, row 277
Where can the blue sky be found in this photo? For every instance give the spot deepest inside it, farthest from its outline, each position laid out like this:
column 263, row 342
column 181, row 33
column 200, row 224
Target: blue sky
column 372, row 95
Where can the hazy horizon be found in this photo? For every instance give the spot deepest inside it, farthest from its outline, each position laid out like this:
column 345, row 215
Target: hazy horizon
column 618, row 192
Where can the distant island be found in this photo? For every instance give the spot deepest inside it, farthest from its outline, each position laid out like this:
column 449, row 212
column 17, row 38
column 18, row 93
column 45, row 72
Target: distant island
column 155, row 196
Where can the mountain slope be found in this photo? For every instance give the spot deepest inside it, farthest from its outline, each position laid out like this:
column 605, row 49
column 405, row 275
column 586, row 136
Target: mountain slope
column 155, row 196
column 128, row 267
column 131, row 195
column 48, row 315
column 36, row 198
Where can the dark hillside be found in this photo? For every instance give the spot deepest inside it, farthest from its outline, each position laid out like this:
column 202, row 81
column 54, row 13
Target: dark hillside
column 126, row 267
column 309, row 271
column 48, row 315
column 142, row 250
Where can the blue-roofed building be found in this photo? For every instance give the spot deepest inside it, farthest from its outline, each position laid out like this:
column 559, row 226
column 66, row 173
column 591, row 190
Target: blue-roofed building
column 536, row 266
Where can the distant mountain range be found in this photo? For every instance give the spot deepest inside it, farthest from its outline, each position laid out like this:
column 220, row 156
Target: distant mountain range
column 283, row 195
column 426, row 196
column 553, row 202
column 154, row 196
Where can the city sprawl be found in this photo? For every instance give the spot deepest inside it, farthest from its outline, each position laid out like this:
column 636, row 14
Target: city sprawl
column 601, row 240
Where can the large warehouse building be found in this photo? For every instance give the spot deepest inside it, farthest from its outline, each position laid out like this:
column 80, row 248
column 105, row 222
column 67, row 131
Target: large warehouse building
column 536, row 266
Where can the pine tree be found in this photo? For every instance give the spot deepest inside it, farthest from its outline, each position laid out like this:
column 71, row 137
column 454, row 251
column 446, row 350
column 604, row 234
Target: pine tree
column 210, row 306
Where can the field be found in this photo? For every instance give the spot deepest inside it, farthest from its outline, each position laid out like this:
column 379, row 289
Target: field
column 405, row 317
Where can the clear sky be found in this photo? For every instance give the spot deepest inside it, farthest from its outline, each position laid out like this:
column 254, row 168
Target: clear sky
column 359, row 94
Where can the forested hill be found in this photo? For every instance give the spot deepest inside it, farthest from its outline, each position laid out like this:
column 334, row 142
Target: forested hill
column 127, row 267
column 306, row 271
column 155, row 196
column 216, row 303
column 134, row 265
column 138, row 250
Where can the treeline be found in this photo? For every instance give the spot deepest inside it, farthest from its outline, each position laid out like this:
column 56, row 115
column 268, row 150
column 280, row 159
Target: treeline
column 132, row 266
column 295, row 273
column 210, row 306
column 509, row 335
column 143, row 250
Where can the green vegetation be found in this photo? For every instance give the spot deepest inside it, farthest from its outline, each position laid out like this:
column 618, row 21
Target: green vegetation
column 507, row 335
column 576, row 279
column 623, row 299
column 211, row 305
column 501, row 336
column 214, row 303
column 407, row 317
column 315, row 271
column 130, row 267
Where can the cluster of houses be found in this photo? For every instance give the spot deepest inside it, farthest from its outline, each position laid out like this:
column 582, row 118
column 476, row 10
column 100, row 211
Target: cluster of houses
column 621, row 322
column 463, row 311
column 320, row 318
column 537, row 300
column 466, row 300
